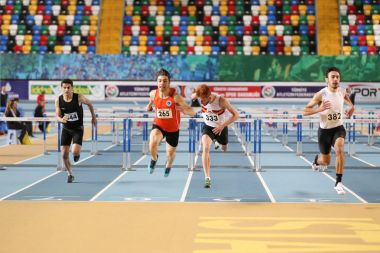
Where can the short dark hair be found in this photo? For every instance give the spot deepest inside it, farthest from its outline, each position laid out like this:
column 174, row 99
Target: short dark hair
column 163, row 72
column 69, row 81
column 332, row 69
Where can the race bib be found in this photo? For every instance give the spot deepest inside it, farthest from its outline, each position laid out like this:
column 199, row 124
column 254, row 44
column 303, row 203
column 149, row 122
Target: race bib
column 210, row 117
column 164, row 114
column 72, row 116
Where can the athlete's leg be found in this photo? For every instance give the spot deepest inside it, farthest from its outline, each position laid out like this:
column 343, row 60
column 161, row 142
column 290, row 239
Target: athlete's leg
column 339, row 151
column 154, row 140
column 170, row 155
column 76, row 148
column 206, row 144
column 224, row 147
column 323, row 159
column 65, row 157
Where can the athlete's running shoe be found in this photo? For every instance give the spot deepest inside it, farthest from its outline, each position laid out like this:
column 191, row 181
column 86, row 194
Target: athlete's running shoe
column 315, row 165
column 70, row 179
column 152, row 165
column 76, row 158
column 167, row 172
column 340, row 189
column 207, row 182
column 216, row 145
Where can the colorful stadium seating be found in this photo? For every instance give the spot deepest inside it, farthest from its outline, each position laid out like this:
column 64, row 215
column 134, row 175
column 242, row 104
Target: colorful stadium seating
column 220, row 27
column 48, row 26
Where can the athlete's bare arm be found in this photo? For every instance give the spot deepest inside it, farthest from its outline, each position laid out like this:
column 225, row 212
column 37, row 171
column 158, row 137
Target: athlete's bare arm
column 149, row 106
column 351, row 107
column 225, row 104
column 316, row 100
column 86, row 101
column 183, row 106
column 58, row 113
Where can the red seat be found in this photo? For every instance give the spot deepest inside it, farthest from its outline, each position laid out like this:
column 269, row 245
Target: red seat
column 372, row 50
column 46, row 20
column 175, row 30
column 280, row 41
column 280, row 50
column 247, row 30
column 294, row 9
column 311, row 29
column 127, row 30
column 17, row 49
column 159, row 40
column 286, row 20
column 41, row 9
column 9, row 9
column 351, row 9
column 150, row 50
column 87, row 11
column 360, row 19
column 362, row 40
column 184, row 11
column 144, row 30
column 145, row 10
column 255, row 20
column 207, row 41
column 231, row 50
column 190, row 50
column 199, row 3
column 231, row 40
column 231, row 10
column 207, row 20
column 352, row 30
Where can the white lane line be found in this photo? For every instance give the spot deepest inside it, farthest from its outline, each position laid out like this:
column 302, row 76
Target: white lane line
column 187, row 185
column 26, row 187
column 28, row 159
column 270, row 195
column 345, row 187
column 361, row 160
column 115, row 180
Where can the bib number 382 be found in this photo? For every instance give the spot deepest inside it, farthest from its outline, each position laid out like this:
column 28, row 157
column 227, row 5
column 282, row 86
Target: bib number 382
column 164, row 114
column 334, row 116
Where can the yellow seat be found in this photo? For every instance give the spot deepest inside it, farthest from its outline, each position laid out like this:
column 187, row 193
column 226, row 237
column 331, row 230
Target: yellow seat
column 61, row 20
column 174, row 50
column 206, row 50
column 93, row 30
column 294, row 20
column 191, row 30
column 7, row 19
column 83, row 49
column 370, row 40
column 127, row 40
column 142, row 40
column 198, row 40
column 347, row 50
column 296, row 40
column 367, row 9
column 128, row 10
column 93, row 20
column 263, row 10
column 271, row 30
column 58, row 49
column 223, row 29
column 192, row 9
column 223, row 10
column 72, row 9
column 159, row 30
column 136, row 20
column 255, row 50
column 26, row 49
column 142, row 50
column 302, row 9
column 263, row 40
column 310, row 20
column 288, row 50
column 161, row 10
column 32, row 9
column 376, row 19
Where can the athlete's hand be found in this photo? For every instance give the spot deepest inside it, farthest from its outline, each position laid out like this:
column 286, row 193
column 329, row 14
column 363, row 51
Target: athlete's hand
column 149, row 108
column 326, row 104
column 349, row 112
column 218, row 130
column 94, row 121
column 65, row 118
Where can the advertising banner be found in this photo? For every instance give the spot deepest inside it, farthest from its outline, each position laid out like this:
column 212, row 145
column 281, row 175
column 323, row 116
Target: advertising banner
column 92, row 90
column 276, row 91
column 365, row 92
column 16, row 88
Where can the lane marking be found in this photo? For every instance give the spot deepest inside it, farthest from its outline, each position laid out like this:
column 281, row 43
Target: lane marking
column 188, row 181
column 361, row 160
column 115, row 180
column 264, row 184
column 32, row 184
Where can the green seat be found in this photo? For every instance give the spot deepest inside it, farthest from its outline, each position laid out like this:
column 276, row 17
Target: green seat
column 375, row 9
column 303, row 20
column 288, row 30
column 16, row 9
column 177, row 11
column 369, row 30
column 231, row 20
column 126, row 50
column 304, row 40
column 51, row 40
column 21, row 29
column 35, row 49
column 255, row 40
column 168, row 20
column 86, row 20
column 44, row 30
column 136, row 10
column 76, row 30
column 183, row 40
column 344, row 20
column 167, row 30
column 183, row 49
column 304, row 50
column 207, row 31
column 231, row 30
column 239, row 10
column 152, row 21
column 192, row 20
column 239, row 50
column 355, row 50
column 286, row 10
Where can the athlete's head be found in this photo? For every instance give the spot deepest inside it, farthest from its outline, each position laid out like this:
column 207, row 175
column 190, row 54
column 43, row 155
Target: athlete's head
column 204, row 93
column 67, row 86
column 333, row 77
column 163, row 79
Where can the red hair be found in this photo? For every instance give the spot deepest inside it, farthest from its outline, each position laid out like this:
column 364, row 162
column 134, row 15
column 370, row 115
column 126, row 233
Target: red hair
column 203, row 91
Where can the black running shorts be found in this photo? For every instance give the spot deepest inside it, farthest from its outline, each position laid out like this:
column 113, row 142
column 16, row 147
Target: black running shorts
column 71, row 135
column 222, row 138
column 171, row 137
column 327, row 138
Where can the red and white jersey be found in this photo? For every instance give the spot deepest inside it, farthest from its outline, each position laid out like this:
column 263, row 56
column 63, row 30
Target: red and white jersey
column 333, row 117
column 167, row 116
column 213, row 114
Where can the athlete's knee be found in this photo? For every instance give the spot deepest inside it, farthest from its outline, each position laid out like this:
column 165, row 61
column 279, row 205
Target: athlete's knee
column 206, row 148
column 65, row 155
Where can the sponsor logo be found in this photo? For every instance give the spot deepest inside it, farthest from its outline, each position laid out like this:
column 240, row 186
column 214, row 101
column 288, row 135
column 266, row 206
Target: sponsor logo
column 268, row 91
column 112, row 91
column 168, row 103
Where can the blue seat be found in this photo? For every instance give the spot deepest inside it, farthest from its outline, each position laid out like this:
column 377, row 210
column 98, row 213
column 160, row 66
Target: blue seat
column 272, row 50
column 3, row 48
column 14, row 19
column 215, row 10
column 294, row 2
column 303, row 29
column 223, row 20
column 127, row 20
column 91, row 49
column 363, row 50
column 239, row 30
column 48, row 9
column 183, row 30
column 215, row 50
column 255, row 2
column 169, row 9
column 271, row 10
column 184, row 21
column 151, row 40
column 30, row 20
column 361, row 30
column 158, row 50
column 174, row 40
column 271, row 19
column 354, row 40
column 310, row 10
column 36, row 30
column 43, row 49
column 272, row 41
column 67, row 40
column 79, row 10
column 135, row 40
column 223, row 41
column 78, row 20
column 263, row 30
